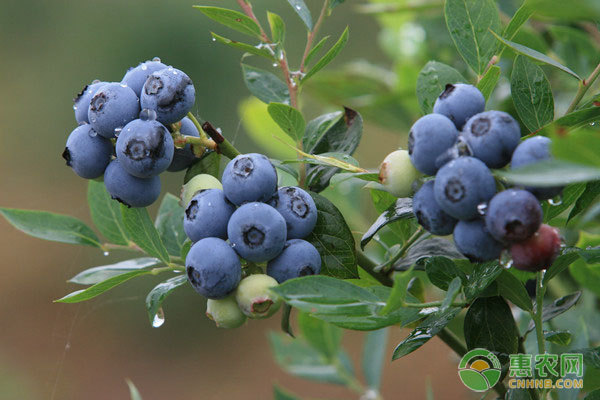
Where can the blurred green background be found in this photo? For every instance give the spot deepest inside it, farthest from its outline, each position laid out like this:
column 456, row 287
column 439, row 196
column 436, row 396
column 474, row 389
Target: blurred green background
column 49, row 51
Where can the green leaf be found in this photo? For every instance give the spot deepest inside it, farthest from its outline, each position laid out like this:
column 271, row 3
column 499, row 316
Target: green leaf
column 209, row 164
column 185, row 248
column 489, row 324
column 303, row 12
column 277, row 27
column 398, row 293
column 535, row 55
column 157, row 295
column 578, row 147
column 469, row 23
column 569, row 195
column 289, row 119
column 143, row 233
column 317, row 128
column 50, row 226
column 556, row 308
column 594, row 395
column 169, row 224
column 106, row 213
column 432, row 81
column 265, row 86
column 574, row 120
column 591, row 356
column 323, row 337
column 482, row 277
column 334, row 241
column 592, row 190
column 281, row 394
column 566, row 11
column 373, row 356
column 487, row 84
column 402, row 209
column 425, row 248
column 286, row 313
column 424, row 332
column 521, row 16
column 562, row 338
column 232, row 19
column 512, row 289
column 134, row 394
column 101, row 287
column 531, row 94
column 453, row 290
column 344, row 304
column 328, row 57
column 298, row 358
column 315, row 50
column 248, row 48
column 341, row 137
column 99, row 274
column 441, row 271
column 334, row 3
column 550, row 173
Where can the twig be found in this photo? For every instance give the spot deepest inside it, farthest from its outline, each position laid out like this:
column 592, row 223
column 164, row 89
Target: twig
column 584, row 86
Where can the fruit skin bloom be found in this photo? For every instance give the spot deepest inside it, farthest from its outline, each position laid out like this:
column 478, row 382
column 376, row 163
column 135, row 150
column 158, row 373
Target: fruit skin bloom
column 298, row 209
column 513, row 215
column 397, row 174
column 538, row 252
column 474, row 241
column 459, row 102
column 429, row 214
column 430, row 137
column 249, row 177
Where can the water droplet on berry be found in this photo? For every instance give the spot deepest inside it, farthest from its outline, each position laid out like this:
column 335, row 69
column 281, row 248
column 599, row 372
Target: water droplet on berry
column 118, row 131
column 159, row 318
column 147, row 115
column 157, row 59
column 105, row 254
column 123, row 85
column 298, row 8
column 96, row 81
column 92, row 133
column 144, row 67
column 482, row 208
column 75, row 108
column 555, row 201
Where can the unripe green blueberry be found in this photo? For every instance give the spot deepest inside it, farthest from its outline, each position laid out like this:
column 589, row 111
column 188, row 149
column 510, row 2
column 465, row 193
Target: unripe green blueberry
column 397, row 174
column 225, row 312
column 197, row 183
column 254, row 297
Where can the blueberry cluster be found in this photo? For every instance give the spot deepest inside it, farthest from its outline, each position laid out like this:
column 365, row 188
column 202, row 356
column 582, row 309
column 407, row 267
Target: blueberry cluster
column 458, row 143
column 263, row 224
column 124, row 131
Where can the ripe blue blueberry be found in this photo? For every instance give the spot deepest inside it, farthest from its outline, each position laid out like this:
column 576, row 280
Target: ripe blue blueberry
column 81, row 103
column 459, row 102
column 184, row 157
column 492, row 137
column 249, row 177
column 298, row 258
column 430, row 137
column 112, row 107
column 531, row 151
column 170, row 93
column 513, row 215
column 298, row 209
column 429, row 214
column 461, row 185
column 144, row 148
column 474, row 241
column 128, row 189
column 213, row 268
column 207, row 215
column 257, row 232
column 87, row 153
column 136, row 77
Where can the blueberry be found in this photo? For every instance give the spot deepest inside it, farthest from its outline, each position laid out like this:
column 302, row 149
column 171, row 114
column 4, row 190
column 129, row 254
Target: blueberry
column 513, row 215
column 213, row 268
column 531, row 151
column 538, row 252
column 474, row 241
column 459, row 102
column 298, row 209
column 298, row 258
column 249, row 177
column 254, row 297
column 136, row 77
column 257, row 232
column 170, row 93
column 112, row 107
column 207, row 215
column 196, row 184
column 225, row 312
column 128, row 189
column 429, row 214
column 144, row 148
column 461, row 185
column 87, row 153
column 492, row 137
column 81, row 103
column 429, row 137
column 184, row 157
column 397, row 173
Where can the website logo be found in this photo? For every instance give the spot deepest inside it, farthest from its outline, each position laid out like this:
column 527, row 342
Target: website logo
column 479, row 370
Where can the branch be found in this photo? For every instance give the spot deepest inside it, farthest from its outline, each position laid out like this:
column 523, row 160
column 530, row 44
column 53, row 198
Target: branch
column 584, row 86
column 313, row 33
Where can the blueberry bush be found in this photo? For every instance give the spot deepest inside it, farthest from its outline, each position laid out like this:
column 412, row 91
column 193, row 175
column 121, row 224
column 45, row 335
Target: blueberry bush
column 489, row 227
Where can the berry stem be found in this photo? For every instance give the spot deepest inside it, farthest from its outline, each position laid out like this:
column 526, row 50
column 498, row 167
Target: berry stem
column 537, row 315
column 312, row 34
column 584, row 86
column 403, row 250
column 218, row 142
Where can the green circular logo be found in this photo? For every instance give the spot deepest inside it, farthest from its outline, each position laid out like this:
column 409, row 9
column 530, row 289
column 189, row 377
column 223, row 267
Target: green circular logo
column 479, row 370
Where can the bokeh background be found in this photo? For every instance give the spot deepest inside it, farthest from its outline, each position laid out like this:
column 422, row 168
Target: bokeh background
column 49, row 50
